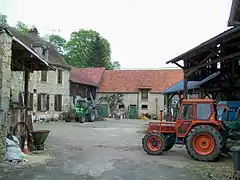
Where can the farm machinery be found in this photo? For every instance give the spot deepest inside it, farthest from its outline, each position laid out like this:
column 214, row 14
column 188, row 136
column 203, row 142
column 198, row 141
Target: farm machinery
column 85, row 111
column 197, row 126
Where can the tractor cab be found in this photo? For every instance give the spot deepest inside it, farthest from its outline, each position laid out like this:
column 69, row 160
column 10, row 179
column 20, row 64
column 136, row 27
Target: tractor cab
column 194, row 112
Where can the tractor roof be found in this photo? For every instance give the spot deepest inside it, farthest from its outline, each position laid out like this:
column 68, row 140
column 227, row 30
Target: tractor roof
column 198, row 101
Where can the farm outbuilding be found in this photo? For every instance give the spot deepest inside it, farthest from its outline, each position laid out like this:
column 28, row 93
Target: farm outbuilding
column 218, row 58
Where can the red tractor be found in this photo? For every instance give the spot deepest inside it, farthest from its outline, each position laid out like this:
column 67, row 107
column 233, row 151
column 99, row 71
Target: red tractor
column 196, row 126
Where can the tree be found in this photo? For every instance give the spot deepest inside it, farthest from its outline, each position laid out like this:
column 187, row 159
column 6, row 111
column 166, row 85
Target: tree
column 116, row 65
column 58, row 42
column 100, row 53
column 86, row 48
column 22, row 27
column 3, row 20
column 112, row 100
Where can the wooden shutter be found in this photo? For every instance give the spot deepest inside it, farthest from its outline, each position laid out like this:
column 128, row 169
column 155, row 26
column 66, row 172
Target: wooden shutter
column 55, row 103
column 47, row 102
column 30, row 101
column 59, row 76
column 60, row 103
column 43, row 75
column 39, row 102
column 20, row 99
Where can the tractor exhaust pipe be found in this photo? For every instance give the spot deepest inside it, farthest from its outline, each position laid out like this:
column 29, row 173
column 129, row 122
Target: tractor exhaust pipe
column 161, row 115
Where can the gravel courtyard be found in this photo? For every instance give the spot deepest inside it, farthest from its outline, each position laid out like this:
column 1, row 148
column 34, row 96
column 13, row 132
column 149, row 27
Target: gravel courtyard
column 107, row 150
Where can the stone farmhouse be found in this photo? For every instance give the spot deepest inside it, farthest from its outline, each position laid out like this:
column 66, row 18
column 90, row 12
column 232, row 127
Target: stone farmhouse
column 48, row 90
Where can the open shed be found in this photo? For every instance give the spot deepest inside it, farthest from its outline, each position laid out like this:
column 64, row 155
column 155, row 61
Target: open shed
column 15, row 56
column 219, row 54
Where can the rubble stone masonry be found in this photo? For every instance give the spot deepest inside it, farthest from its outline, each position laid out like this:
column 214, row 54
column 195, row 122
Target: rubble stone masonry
column 5, row 83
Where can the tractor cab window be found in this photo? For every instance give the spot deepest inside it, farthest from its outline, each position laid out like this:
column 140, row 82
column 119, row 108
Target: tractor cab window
column 203, row 111
column 187, row 112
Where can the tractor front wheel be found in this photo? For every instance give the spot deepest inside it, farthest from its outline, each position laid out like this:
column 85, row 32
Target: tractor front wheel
column 82, row 119
column 204, row 143
column 153, row 143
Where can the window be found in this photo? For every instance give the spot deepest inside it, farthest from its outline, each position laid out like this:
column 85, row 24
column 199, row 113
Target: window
column 187, row 112
column 44, row 76
column 43, row 102
column 144, row 106
column 203, row 111
column 59, row 76
column 58, row 102
column 144, row 95
column 30, row 101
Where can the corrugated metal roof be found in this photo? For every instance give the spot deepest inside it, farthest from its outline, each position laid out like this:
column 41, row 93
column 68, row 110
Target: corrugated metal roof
column 179, row 86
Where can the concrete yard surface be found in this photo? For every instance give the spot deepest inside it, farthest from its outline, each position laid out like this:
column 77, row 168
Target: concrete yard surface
column 105, row 150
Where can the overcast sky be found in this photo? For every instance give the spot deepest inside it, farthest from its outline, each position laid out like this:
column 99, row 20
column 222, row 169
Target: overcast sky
column 142, row 33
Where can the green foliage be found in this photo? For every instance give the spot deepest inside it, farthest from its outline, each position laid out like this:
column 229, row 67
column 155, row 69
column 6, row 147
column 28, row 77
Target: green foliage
column 116, row 65
column 58, row 42
column 3, row 20
column 86, row 48
column 22, row 27
column 112, row 100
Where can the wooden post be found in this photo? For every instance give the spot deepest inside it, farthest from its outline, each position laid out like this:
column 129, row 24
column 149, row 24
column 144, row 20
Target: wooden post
column 26, row 78
column 167, row 101
column 185, row 89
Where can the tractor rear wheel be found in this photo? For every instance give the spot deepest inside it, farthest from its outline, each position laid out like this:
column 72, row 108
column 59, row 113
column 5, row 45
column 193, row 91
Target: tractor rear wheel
column 153, row 143
column 169, row 142
column 204, row 143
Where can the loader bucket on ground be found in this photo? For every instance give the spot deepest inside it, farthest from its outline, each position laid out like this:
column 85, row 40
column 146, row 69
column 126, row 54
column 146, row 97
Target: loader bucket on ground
column 39, row 138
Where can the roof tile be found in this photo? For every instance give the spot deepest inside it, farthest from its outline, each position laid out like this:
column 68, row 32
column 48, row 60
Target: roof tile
column 88, row 76
column 132, row 80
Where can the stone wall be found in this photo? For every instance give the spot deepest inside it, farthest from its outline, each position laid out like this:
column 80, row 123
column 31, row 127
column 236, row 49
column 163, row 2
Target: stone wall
column 50, row 87
column 5, row 80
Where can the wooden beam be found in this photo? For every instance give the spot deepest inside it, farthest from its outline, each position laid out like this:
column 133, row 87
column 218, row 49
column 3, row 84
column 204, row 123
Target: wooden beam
column 179, row 65
column 206, row 58
column 226, row 58
column 185, row 91
column 211, row 50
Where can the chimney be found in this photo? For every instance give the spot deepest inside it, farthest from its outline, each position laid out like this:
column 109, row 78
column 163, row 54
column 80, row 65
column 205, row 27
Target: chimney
column 33, row 32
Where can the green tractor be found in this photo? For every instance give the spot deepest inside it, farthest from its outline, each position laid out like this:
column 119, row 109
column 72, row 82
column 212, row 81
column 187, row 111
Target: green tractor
column 85, row 111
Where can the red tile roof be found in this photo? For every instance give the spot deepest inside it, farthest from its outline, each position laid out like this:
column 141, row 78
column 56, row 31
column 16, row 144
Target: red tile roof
column 132, row 80
column 88, row 76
